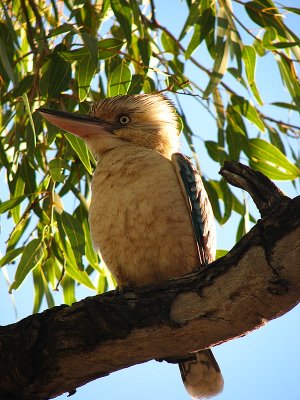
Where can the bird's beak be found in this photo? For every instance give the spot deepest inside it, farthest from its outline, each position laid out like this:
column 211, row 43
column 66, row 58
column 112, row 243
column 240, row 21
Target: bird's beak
column 77, row 124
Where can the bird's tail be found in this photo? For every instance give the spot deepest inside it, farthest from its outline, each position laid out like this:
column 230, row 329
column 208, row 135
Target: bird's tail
column 202, row 377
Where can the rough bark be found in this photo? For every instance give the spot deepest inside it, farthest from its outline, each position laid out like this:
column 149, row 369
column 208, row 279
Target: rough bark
column 47, row 354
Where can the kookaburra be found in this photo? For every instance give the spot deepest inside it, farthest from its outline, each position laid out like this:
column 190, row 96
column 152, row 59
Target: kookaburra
column 150, row 216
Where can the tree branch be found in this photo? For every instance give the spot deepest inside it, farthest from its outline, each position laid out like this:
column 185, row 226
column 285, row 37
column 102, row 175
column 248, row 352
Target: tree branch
column 47, row 354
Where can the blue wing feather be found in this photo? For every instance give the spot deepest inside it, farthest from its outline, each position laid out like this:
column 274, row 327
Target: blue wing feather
column 199, row 206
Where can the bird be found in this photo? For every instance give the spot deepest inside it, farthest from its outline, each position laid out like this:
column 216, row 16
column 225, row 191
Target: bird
column 150, row 216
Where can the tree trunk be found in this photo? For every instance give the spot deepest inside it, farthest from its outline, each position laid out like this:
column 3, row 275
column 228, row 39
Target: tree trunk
column 47, row 354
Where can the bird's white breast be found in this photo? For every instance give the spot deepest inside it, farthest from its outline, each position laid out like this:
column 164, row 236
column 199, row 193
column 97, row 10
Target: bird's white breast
column 139, row 219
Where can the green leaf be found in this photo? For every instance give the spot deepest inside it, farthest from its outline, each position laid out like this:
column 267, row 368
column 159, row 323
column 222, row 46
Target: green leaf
column 90, row 254
column 58, row 75
column 19, row 191
column 249, row 57
column 123, row 14
column 28, row 110
column 202, row 28
column 243, row 106
column 266, row 15
column 242, row 229
column 169, row 44
column 48, row 268
column 149, row 85
column 289, row 106
column 17, row 232
column 227, row 200
column 56, row 166
column 275, row 139
column 292, row 9
column 136, row 15
column 136, row 85
column 38, row 290
column 145, row 50
column 120, row 80
column 233, row 142
column 31, row 257
column 107, row 48
column 269, row 36
column 6, row 63
column 214, row 198
column 192, row 18
column 61, row 29
column 219, row 69
column 78, row 275
column 91, row 44
column 48, row 294
column 75, row 234
column 236, row 74
column 220, row 110
column 80, row 149
column 86, row 72
column 221, row 253
column 216, row 152
column 68, row 286
column 102, row 285
column 290, row 79
column 10, row 204
column 267, row 159
column 10, row 256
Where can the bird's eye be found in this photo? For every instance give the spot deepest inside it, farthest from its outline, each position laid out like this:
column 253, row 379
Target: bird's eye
column 124, row 119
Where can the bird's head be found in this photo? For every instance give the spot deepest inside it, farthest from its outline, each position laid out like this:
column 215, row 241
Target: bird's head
column 147, row 120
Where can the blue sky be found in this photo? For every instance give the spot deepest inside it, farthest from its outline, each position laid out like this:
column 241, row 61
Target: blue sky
column 262, row 365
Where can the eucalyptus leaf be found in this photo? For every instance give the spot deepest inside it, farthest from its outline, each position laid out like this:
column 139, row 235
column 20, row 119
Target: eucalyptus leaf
column 31, row 257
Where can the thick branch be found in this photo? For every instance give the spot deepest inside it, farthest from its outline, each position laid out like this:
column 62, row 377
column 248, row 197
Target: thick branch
column 60, row 349
column 267, row 197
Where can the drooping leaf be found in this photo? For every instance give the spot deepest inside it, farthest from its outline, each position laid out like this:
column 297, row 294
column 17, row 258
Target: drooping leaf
column 61, row 29
column 78, row 275
column 249, row 57
column 145, row 50
column 31, row 257
column 120, row 80
column 6, row 62
column 169, row 44
column 269, row 160
column 10, row 256
column 10, row 204
column 56, row 166
column 68, row 285
column 80, row 149
column 265, row 15
column 123, row 14
column 28, row 110
column 91, row 44
column 221, row 253
column 136, row 84
column 192, row 18
column 107, row 48
column 202, row 28
column 219, row 69
column 38, row 290
column 243, row 106
column 86, row 72
column 216, row 152
column 58, row 75
column 290, row 78
column 75, row 234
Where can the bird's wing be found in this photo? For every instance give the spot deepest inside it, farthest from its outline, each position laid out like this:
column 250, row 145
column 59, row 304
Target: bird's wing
column 202, row 376
column 199, row 207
